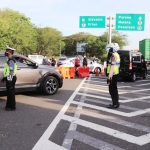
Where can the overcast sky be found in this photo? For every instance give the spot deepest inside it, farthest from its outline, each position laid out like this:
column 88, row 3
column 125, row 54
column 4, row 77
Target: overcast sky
column 64, row 14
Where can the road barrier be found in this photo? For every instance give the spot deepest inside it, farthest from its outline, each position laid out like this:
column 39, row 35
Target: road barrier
column 102, row 71
column 83, row 72
column 67, row 72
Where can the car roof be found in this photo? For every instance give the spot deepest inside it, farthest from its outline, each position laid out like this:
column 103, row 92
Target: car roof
column 18, row 55
column 132, row 51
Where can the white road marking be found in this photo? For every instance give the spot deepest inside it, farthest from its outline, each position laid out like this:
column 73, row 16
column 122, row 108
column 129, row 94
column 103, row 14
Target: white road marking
column 143, row 84
column 133, row 91
column 106, row 103
column 112, row 111
column 96, row 143
column 141, row 140
column 67, row 140
column 42, row 141
column 105, row 85
column 116, row 120
column 142, row 80
column 109, row 99
column 105, row 91
column 51, row 146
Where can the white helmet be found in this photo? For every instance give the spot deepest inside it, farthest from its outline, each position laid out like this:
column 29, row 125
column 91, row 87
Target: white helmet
column 115, row 46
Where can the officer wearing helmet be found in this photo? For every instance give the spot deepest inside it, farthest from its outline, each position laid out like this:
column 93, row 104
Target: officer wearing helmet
column 10, row 69
column 113, row 71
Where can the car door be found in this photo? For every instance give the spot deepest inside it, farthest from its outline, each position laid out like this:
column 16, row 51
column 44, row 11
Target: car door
column 2, row 61
column 27, row 74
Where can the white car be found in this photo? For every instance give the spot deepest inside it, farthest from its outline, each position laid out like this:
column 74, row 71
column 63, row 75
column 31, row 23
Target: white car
column 94, row 65
column 37, row 58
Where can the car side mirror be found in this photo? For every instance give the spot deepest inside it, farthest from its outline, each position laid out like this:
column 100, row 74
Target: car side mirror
column 35, row 65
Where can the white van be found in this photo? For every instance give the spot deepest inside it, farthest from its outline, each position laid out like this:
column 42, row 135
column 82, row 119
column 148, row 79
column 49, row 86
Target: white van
column 37, row 58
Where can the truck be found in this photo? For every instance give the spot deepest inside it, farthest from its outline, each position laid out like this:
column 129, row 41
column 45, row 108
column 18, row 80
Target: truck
column 144, row 47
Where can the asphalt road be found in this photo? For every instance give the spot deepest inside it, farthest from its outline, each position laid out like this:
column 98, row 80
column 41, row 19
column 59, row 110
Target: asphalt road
column 21, row 129
column 76, row 118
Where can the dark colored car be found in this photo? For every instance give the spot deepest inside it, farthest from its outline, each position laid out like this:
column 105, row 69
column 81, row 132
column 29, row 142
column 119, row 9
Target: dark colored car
column 60, row 61
column 33, row 77
column 132, row 64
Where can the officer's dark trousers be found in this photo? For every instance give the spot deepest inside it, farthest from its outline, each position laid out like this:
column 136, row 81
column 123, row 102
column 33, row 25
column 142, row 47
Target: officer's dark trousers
column 113, row 90
column 11, row 101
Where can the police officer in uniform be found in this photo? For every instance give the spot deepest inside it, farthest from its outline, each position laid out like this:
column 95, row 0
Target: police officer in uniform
column 10, row 68
column 113, row 71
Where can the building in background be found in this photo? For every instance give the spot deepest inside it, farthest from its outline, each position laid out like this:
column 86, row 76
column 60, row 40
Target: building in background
column 144, row 47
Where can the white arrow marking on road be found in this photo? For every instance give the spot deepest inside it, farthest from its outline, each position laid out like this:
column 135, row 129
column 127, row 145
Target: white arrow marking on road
column 141, row 140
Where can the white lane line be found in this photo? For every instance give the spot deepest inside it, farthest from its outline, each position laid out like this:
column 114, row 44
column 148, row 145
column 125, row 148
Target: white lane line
column 141, row 140
column 117, row 121
column 67, row 142
column 143, row 84
column 106, row 85
column 97, row 85
column 42, row 141
column 51, row 146
column 97, row 81
column 96, row 143
column 133, row 91
column 142, row 80
column 109, row 99
column 112, row 111
column 105, row 91
column 106, row 103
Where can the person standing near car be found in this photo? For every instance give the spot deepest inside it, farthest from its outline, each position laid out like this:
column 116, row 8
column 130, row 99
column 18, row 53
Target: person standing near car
column 10, row 69
column 84, row 61
column 113, row 71
column 53, row 61
column 77, row 61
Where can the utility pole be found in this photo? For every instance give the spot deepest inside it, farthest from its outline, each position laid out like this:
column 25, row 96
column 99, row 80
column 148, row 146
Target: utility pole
column 110, row 25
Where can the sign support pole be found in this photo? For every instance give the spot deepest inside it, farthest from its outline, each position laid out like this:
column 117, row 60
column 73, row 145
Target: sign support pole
column 110, row 25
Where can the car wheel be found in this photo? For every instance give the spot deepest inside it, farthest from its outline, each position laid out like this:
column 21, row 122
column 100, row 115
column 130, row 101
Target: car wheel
column 50, row 85
column 99, row 70
column 133, row 77
column 145, row 74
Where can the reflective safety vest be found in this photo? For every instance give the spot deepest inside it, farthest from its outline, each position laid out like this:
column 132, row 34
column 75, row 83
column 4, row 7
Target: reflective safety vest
column 7, row 68
column 114, row 60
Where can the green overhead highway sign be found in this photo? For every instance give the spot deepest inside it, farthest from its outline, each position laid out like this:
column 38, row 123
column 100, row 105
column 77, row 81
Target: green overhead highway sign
column 130, row 22
column 92, row 21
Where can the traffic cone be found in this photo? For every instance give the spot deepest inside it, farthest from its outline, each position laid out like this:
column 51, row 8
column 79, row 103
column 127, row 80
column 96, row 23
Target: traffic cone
column 96, row 72
column 102, row 72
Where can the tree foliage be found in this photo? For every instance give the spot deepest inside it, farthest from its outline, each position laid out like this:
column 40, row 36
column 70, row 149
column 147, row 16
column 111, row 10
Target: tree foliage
column 17, row 31
column 96, row 44
column 49, row 41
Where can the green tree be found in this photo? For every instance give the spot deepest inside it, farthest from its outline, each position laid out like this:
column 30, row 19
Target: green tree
column 17, row 31
column 71, row 41
column 117, row 37
column 50, row 41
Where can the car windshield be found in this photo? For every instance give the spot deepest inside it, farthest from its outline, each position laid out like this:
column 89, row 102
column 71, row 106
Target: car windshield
column 62, row 59
column 124, row 56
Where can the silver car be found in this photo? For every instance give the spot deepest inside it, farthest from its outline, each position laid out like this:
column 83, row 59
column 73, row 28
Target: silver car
column 32, row 76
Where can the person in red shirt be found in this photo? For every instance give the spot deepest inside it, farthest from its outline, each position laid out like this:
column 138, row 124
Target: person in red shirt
column 77, row 61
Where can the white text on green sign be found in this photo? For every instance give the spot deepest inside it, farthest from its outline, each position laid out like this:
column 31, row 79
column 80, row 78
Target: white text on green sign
column 92, row 21
column 130, row 22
